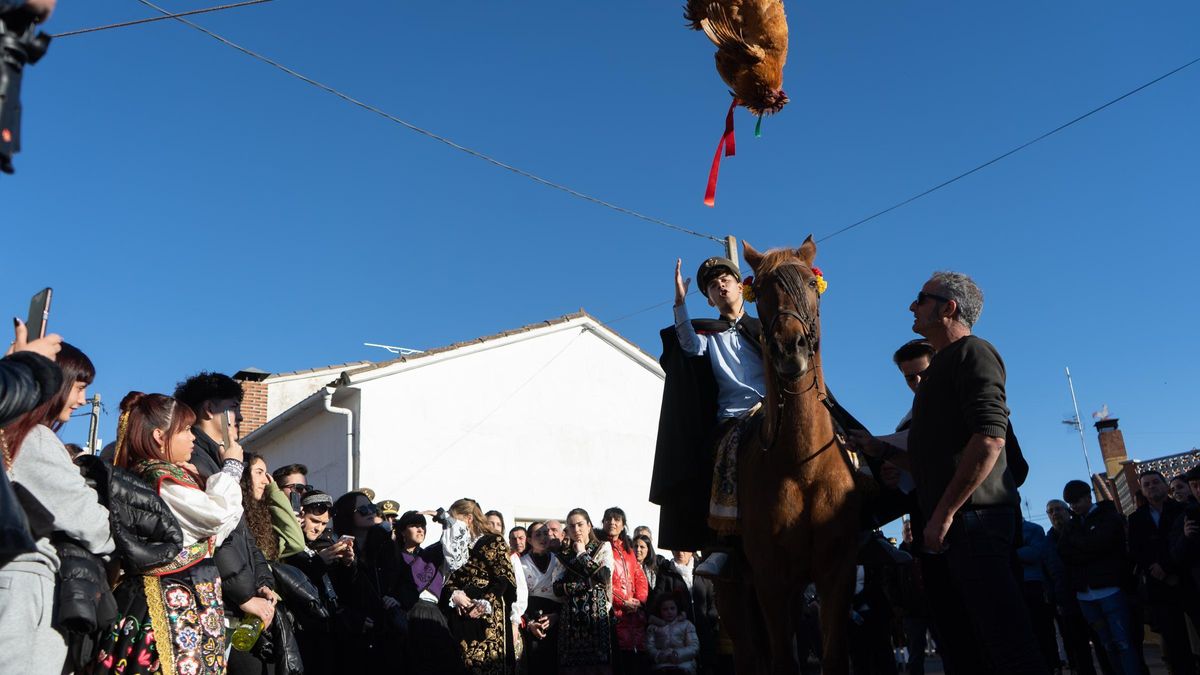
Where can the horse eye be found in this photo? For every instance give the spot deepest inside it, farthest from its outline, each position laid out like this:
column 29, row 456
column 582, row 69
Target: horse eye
column 812, row 283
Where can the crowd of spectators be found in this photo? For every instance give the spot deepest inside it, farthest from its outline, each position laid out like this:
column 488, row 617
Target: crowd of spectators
column 174, row 550
column 157, row 554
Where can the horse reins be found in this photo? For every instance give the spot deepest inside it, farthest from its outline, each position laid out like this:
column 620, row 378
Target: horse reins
column 792, row 288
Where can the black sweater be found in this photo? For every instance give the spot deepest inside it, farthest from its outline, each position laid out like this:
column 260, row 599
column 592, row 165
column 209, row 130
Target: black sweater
column 961, row 395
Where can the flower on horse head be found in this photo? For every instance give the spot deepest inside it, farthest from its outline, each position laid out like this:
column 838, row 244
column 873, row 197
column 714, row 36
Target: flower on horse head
column 748, row 289
column 821, row 283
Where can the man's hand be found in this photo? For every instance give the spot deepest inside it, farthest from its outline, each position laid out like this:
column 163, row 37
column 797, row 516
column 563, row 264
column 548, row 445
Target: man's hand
column 390, row 603
column 864, row 442
column 329, row 554
column 476, row 612
column 633, row 605
column 42, row 9
column 935, row 532
column 1191, row 527
column 890, row 475
column 48, row 346
column 681, row 284
column 233, row 451
column 1158, row 572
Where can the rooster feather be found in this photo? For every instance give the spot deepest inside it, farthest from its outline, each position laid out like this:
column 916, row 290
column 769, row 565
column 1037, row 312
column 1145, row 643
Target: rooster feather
column 752, row 41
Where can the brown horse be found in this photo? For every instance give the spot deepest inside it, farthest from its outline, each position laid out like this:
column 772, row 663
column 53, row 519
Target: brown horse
column 796, row 489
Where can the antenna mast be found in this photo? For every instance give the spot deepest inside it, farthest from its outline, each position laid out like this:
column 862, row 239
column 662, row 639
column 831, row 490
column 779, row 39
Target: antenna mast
column 1079, row 425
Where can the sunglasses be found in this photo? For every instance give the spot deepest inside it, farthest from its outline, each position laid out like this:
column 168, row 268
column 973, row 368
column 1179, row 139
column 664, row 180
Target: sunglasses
column 923, row 296
column 299, row 487
column 317, row 509
column 368, row 510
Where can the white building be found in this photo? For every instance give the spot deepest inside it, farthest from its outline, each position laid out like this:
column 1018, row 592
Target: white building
column 531, row 422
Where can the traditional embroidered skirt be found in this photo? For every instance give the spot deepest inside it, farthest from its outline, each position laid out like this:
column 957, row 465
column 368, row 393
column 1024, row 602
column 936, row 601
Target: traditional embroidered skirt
column 173, row 624
column 723, row 507
column 585, row 629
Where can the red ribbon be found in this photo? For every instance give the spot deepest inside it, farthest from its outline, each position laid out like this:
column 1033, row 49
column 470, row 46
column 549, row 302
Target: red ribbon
column 726, row 147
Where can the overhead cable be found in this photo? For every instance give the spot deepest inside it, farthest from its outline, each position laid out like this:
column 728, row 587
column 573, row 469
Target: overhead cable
column 441, row 139
column 1015, row 150
column 138, row 22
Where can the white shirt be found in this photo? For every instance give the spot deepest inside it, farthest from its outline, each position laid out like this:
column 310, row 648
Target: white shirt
column 737, row 368
column 213, row 511
column 685, row 571
column 518, row 607
column 539, row 583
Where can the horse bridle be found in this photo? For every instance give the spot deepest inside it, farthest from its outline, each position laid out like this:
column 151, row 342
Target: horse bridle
column 791, row 290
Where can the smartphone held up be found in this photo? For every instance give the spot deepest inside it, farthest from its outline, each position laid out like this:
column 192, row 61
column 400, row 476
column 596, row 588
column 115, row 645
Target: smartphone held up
column 39, row 314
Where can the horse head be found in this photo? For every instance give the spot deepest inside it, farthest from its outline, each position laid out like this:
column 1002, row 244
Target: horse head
column 785, row 288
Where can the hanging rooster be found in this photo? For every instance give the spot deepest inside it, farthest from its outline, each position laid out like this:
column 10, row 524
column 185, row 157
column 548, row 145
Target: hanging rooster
column 752, row 40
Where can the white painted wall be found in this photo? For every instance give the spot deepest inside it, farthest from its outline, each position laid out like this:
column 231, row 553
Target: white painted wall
column 532, row 429
column 285, row 391
column 318, row 440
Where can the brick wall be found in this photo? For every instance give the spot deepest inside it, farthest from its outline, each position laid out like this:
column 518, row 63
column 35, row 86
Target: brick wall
column 254, row 406
column 1112, row 446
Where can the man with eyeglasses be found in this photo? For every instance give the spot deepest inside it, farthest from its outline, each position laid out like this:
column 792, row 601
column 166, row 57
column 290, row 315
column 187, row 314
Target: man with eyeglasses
column 966, row 485
column 292, row 478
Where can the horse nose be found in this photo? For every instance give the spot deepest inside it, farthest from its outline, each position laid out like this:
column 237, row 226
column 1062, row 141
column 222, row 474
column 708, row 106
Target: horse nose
column 789, row 346
column 798, row 344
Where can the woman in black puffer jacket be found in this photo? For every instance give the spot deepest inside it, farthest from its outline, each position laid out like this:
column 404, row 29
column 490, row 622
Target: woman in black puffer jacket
column 146, row 534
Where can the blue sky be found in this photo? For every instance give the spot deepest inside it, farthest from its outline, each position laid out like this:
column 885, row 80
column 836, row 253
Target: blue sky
column 194, row 208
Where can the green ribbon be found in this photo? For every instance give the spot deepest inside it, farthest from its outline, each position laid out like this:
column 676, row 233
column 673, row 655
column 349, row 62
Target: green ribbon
column 758, row 128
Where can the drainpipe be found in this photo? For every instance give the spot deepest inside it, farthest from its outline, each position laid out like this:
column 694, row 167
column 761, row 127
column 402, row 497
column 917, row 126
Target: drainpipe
column 351, row 448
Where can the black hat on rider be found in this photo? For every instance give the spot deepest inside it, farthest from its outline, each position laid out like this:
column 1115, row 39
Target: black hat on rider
column 713, row 267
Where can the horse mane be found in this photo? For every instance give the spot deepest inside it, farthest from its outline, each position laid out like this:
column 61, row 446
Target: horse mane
column 787, row 268
column 773, row 259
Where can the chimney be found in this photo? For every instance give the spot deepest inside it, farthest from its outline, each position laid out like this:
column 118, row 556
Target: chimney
column 1112, row 446
column 254, row 399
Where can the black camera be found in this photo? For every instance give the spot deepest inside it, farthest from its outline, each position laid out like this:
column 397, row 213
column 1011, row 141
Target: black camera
column 20, row 44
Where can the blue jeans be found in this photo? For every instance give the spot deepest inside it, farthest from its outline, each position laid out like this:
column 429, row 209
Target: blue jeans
column 1110, row 618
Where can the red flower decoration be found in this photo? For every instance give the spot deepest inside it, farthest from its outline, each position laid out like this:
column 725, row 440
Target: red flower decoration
column 817, row 271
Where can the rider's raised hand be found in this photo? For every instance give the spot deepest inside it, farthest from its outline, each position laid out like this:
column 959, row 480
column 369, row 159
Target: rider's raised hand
column 681, row 284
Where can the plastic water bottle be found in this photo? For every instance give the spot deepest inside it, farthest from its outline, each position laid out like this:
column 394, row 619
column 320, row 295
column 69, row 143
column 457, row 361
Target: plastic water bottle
column 246, row 633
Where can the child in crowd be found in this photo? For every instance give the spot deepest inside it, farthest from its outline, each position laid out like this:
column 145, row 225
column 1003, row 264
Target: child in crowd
column 673, row 646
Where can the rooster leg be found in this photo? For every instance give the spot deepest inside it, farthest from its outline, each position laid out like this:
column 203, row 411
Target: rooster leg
column 694, row 12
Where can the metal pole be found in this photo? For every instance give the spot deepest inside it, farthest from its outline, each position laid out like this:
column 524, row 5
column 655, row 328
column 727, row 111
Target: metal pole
column 1079, row 425
column 94, row 425
column 731, row 250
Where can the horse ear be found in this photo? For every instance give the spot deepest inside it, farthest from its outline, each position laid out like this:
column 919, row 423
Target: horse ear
column 808, row 251
column 753, row 257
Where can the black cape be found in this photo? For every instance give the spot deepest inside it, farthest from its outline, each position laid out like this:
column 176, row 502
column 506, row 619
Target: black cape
column 687, row 421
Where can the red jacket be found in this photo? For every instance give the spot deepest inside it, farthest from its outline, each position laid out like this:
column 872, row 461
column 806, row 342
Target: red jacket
column 628, row 583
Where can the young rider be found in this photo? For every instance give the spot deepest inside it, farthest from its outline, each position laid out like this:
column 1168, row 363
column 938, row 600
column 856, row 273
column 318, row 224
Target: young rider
column 714, row 374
